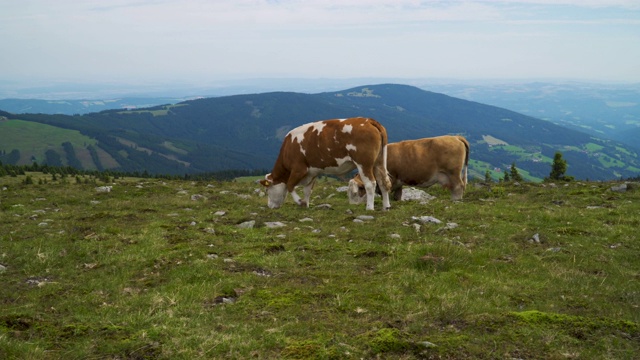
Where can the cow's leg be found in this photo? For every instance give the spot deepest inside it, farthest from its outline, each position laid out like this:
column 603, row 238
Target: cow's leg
column 457, row 187
column 369, row 182
column 307, row 191
column 397, row 193
column 295, row 178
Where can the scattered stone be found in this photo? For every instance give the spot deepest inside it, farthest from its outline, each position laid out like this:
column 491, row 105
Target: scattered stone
column 103, row 189
column 428, row 344
column 426, row 219
column 342, row 189
column 196, row 197
column 211, row 231
column 306, row 220
column 324, row 206
column 43, row 224
column 95, row 202
column 262, row 272
column 193, row 223
column 212, row 256
column 535, row 238
column 554, row 249
column 274, row 224
column 316, row 231
column 409, row 194
column 220, row 213
column 395, row 236
column 358, row 221
column 614, row 246
column 365, row 217
column 619, row 188
column 247, row 224
column 2, row 268
column 594, row 207
column 183, row 192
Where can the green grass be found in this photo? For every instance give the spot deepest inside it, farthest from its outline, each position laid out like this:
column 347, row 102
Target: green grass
column 144, row 271
column 28, row 137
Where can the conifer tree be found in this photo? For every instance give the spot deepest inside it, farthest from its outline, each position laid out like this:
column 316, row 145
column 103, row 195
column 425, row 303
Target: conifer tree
column 558, row 167
column 515, row 176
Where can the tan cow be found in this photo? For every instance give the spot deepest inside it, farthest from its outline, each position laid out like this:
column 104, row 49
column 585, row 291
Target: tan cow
column 333, row 147
column 423, row 162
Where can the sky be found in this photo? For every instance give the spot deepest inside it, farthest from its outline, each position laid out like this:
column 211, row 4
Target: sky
column 204, row 41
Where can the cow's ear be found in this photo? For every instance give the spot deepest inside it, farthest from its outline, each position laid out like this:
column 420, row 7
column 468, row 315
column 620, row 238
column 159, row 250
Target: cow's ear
column 265, row 182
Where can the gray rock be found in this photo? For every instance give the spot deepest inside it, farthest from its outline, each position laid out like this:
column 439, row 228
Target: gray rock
column 619, row 188
column 365, row 217
column 426, row 219
column 247, row 224
column 274, row 224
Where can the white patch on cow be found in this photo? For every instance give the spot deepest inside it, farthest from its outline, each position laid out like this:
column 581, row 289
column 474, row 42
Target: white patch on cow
column 345, row 165
column 351, row 147
column 297, row 134
column 347, row 129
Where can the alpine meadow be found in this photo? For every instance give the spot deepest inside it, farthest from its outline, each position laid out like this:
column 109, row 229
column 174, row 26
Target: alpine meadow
column 133, row 268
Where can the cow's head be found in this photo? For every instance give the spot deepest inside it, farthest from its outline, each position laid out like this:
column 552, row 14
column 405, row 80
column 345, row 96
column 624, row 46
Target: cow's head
column 356, row 191
column 276, row 193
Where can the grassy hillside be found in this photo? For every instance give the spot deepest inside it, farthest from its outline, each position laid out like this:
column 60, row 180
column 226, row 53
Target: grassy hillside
column 246, row 131
column 34, row 139
column 162, row 269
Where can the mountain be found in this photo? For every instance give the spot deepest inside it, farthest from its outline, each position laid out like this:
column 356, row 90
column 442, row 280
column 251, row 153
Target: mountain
column 603, row 110
column 246, row 131
column 72, row 107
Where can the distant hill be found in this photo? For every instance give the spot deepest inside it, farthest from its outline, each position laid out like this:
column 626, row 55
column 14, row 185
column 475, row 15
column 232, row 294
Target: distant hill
column 604, row 110
column 246, row 131
column 72, row 107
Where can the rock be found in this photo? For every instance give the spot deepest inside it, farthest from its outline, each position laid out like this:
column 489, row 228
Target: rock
column 409, row 194
column 395, row 236
column 103, row 189
column 342, row 189
column 535, row 238
column 220, row 213
column 196, row 197
column 365, row 217
column 274, row 224
column 306, row 220
column 183, row 192
column 426, row 219
column 212, row 256
column 247, row 224
column 2, row 268
column 619, row 188
column 209, row 230
column 324, row 206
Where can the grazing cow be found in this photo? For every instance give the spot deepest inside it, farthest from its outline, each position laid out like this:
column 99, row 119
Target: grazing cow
column 333, row 147
column 423, row 162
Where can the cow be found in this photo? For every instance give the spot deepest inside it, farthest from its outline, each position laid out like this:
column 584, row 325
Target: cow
column 423, row 162
column 332, row 147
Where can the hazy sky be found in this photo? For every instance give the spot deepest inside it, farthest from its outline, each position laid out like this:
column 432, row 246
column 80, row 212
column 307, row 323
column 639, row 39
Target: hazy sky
column 202, row 41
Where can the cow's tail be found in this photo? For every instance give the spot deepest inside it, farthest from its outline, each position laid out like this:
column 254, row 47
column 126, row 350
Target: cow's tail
column 466, row 159
column 380, row 169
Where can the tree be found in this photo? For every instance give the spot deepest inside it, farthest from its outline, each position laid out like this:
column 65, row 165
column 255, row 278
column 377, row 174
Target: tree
column 515, row 176
column 487, row 177
column 558, row 168
column 506, row 178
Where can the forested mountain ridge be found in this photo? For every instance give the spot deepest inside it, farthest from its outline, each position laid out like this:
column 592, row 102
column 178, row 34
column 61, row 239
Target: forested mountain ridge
column 246, row 131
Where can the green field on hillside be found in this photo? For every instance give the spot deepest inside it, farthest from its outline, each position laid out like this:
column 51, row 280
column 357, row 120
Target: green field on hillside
column 165, row 269
column 34, row 139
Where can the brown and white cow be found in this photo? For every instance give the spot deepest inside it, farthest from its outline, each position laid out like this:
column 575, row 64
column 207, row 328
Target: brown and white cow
column 333, row 147
column 423, row 162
